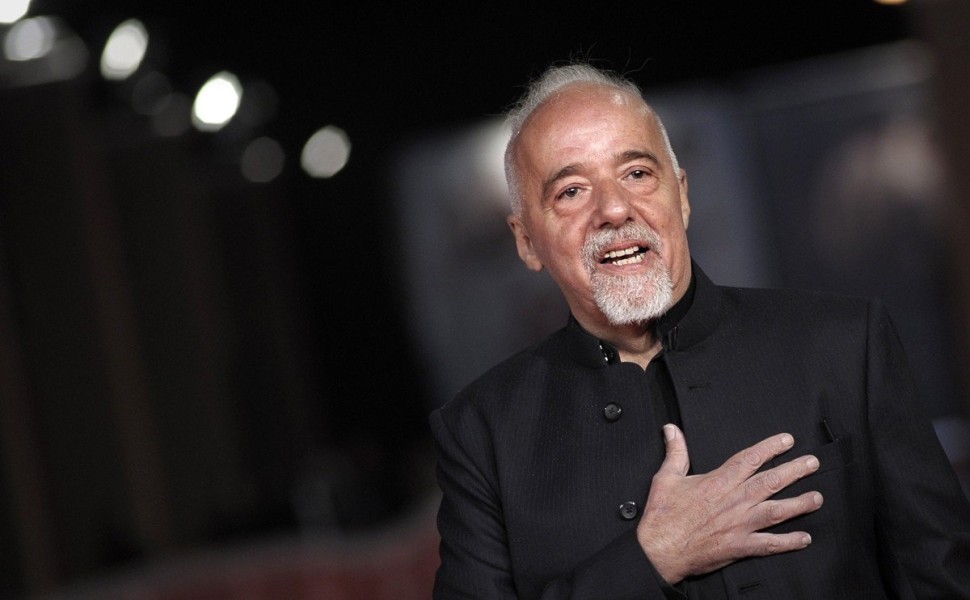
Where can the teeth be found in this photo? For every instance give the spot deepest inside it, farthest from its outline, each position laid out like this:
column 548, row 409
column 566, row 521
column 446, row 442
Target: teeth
column 619, row 253
column 628, row 261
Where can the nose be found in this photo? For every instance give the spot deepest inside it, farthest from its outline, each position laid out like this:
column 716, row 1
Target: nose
column 612, row 205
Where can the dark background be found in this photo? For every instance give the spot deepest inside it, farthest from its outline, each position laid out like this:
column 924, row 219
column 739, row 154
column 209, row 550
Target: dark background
column 384, row 71
column 388, row 73
column 244, row 348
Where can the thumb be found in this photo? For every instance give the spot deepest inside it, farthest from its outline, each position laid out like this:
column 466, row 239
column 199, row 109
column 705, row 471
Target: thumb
column 677, row 460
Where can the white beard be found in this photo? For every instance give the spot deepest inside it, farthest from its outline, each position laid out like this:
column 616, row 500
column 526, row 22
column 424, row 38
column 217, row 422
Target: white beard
column 628, row 299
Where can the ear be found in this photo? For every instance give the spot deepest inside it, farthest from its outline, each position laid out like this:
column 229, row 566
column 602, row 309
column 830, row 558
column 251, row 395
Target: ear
column 523, row 243
column 684, row 202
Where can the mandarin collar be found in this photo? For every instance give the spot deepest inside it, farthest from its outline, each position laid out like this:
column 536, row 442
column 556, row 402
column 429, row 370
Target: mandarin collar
column 689, row 321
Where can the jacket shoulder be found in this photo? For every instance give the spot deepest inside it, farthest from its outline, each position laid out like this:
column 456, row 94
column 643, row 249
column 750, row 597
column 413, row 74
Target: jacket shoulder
column 797, row 303
column 503, row 386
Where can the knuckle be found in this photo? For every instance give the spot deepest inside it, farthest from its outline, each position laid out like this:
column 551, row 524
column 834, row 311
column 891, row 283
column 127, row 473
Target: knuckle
column 752, row 457
column 772, row 481
column 774, row 512
column 772, row 546
column 734, row 466
column 765, row 485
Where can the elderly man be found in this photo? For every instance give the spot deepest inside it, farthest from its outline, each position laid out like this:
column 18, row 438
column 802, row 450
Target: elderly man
column 676, row 438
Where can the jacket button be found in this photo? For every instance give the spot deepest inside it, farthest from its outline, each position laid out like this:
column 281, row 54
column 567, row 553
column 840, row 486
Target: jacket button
column 612, row 411
column 629, row 510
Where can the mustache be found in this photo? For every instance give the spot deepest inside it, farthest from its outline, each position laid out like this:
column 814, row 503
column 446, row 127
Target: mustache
column 598, row 240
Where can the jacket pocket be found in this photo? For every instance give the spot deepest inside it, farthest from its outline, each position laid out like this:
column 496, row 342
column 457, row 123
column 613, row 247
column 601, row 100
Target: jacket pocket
column 833, row 455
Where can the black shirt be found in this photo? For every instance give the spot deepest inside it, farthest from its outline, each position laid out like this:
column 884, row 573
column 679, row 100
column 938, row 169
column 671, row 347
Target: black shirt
column 660, row 387
column 662, row 397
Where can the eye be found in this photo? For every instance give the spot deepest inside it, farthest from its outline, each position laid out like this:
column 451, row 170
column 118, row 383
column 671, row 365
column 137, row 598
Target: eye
column 570, row 192
column 643, row 180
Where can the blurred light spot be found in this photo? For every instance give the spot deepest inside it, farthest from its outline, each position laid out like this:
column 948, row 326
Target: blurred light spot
column 41, row 50
column 173, row 116
column 12, row 11
column 217, row 102
column 124, row 50
column 29, row 39
column 326, row 152
column 262, row 161
column 891, row 2
column 150, row 93
column 490, row 142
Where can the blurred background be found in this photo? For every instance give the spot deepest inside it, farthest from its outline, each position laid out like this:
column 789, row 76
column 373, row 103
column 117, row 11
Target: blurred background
column 245, row 248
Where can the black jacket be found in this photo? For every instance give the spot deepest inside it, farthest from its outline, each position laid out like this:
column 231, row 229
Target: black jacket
column 534, row 475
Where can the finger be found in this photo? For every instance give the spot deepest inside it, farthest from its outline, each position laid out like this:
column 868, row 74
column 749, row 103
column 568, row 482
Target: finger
column 770, row 482
column 677, row 461
column 764, row 544
column 773, row 512
column 746, row 462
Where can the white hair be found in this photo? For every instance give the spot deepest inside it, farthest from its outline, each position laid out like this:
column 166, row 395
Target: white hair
column 539, row 91
column 627, row 299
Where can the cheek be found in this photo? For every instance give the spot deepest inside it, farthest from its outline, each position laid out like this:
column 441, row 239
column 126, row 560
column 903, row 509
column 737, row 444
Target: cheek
column 564, row 254
column 672, row 224
column 558, row 236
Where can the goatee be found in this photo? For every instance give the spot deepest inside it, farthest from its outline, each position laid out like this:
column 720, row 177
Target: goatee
column 628, row 299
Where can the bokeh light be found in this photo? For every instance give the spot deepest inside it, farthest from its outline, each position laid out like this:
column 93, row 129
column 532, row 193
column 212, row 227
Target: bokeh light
column 12, row 11
column 124, row 50
column 217, row 102
column 262, row 160
column 29, row 39
column 326, row 152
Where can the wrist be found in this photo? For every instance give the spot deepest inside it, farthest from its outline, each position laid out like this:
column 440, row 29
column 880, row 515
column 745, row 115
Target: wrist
column 661, row 557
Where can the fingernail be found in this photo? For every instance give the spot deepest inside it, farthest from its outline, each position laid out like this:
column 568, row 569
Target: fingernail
column 806, row 539
column 669, row 433
column 818, row 499
column 787, row 440
column 812, row 463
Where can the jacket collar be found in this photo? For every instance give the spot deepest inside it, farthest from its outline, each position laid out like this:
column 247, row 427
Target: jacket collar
column 678, row 332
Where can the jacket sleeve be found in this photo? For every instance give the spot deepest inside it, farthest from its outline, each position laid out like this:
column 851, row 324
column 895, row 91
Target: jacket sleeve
column 923, row 517
column 474, row 551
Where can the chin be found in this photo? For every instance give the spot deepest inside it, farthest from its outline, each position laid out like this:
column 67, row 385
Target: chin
column 626, row 300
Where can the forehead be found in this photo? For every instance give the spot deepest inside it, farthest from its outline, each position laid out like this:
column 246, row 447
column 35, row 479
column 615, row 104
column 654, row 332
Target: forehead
column 575, row 96
column 586, row 119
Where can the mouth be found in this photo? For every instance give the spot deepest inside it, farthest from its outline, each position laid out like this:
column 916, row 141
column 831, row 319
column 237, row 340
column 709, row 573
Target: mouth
column 624, row 256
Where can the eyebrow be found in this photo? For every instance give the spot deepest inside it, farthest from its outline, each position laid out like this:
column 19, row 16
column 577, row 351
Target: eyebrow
column 640, row 155
column 623, row 157
column 560, row 174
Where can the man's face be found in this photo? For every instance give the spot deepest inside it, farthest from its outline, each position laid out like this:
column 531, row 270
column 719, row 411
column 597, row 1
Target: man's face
column 602, row 207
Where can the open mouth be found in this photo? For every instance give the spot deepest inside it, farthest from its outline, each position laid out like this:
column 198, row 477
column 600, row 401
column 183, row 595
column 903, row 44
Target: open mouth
column 626, row 256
